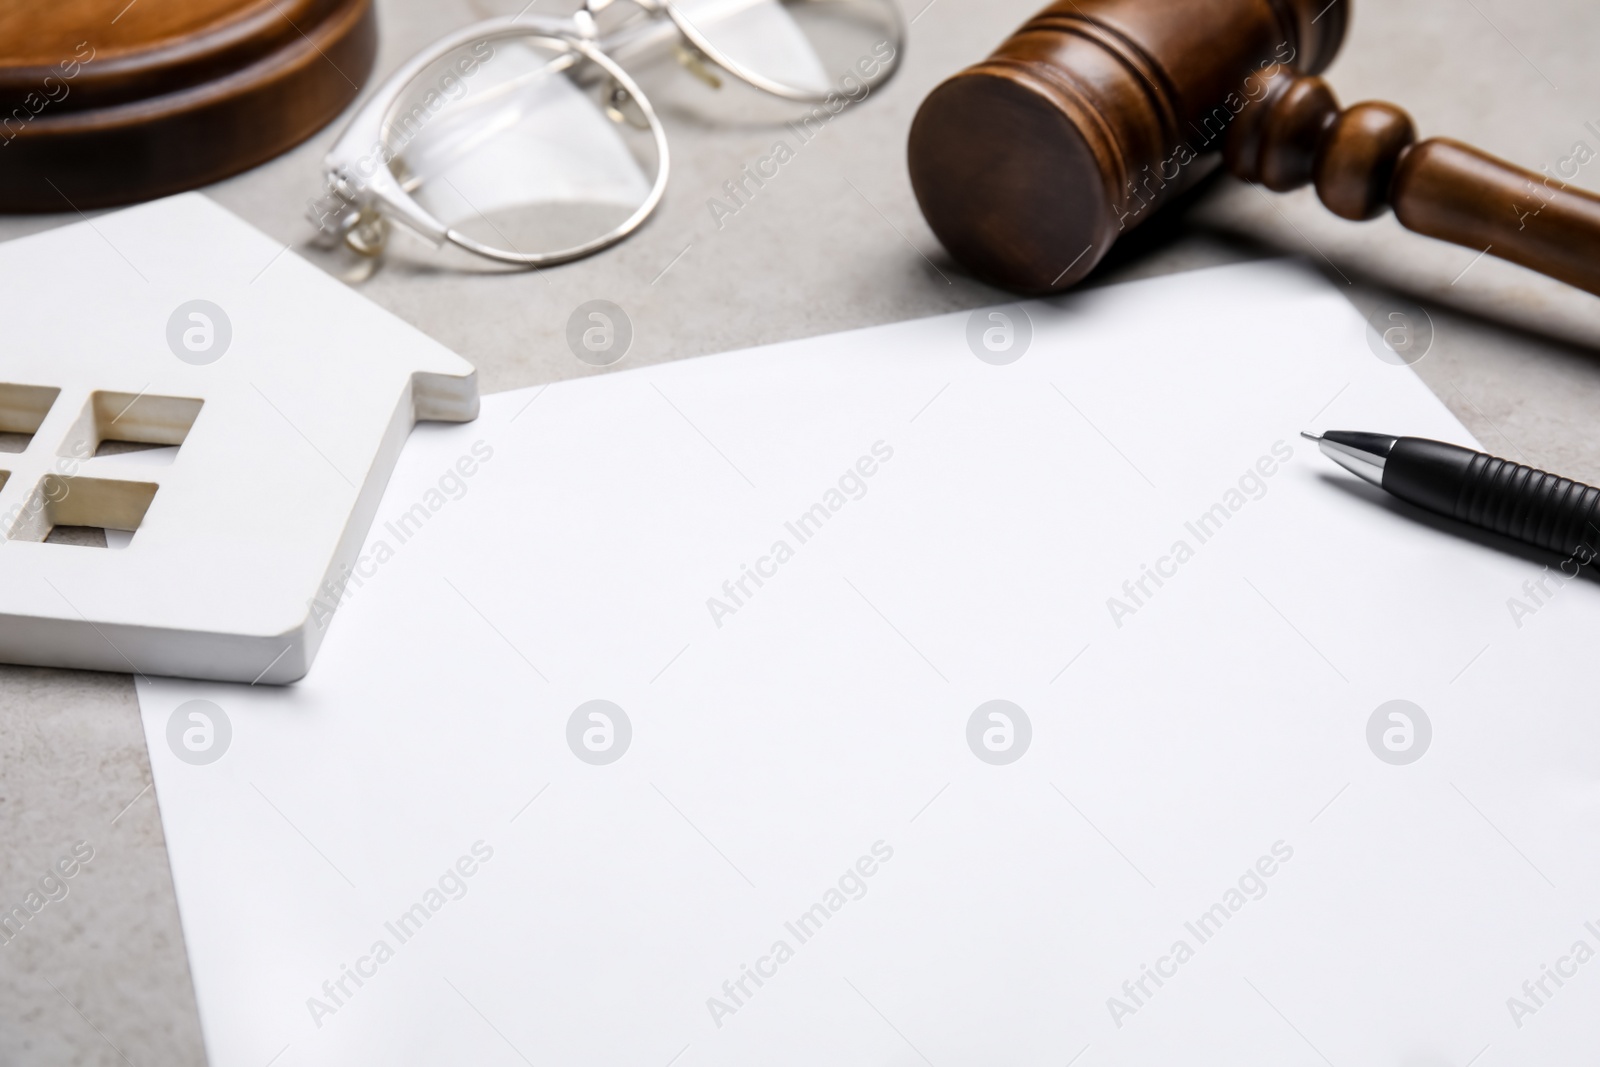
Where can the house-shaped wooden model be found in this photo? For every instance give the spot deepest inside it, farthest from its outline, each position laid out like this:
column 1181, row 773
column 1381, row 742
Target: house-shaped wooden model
column 288, row 398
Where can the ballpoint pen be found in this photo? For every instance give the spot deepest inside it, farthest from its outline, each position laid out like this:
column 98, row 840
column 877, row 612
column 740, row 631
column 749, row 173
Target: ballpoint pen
column 1508, row 498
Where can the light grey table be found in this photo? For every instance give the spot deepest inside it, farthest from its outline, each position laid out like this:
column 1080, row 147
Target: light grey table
column 834, row 242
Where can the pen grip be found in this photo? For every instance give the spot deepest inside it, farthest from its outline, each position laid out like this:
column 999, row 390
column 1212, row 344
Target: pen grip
column 1531, row 505
column 1517, row 501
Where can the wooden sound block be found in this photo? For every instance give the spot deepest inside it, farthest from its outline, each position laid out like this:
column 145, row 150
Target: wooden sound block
column 106, row 102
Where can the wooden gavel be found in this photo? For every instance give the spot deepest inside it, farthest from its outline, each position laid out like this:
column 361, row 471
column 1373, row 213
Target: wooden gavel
column 1030, row 165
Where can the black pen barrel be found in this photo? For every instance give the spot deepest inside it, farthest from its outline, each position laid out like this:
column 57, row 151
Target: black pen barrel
column 1511, row 499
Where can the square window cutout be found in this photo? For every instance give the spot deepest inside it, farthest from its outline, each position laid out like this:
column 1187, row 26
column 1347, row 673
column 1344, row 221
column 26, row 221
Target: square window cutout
column 22, row 412
column 87, row 512
column 117, row 423
column 82, row 536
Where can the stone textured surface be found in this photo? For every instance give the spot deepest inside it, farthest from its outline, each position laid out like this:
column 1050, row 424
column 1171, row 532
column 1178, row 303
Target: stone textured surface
column 100, row 976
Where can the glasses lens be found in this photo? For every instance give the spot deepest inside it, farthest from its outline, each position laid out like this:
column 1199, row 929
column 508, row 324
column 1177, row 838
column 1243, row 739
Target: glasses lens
column 526, row 147
column 802, row 49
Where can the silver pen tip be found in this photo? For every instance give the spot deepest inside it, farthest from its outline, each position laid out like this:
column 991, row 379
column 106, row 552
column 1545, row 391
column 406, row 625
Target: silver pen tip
column 1310, row 436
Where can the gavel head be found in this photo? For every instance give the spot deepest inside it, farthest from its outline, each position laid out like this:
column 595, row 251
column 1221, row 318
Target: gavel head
column 1030, row 165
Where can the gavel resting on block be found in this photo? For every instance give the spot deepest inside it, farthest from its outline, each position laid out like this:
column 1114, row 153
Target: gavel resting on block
column 1030, row 165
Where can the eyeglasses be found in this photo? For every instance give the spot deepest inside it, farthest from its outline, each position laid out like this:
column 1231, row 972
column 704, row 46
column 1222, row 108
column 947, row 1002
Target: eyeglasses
column 524, row 141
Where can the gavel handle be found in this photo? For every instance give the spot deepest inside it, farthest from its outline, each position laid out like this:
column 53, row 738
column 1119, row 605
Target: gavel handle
column 1364, row 160
column 1452, row 191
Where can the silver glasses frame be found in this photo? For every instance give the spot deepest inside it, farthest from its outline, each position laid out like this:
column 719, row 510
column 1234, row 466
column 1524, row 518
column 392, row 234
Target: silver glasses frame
column 364, row 195
column 369, row 193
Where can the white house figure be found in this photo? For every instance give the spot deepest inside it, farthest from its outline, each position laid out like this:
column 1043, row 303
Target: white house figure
column 288, row 398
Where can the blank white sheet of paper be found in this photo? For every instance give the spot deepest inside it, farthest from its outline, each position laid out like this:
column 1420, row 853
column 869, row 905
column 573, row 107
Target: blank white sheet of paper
column 797, row 831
